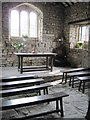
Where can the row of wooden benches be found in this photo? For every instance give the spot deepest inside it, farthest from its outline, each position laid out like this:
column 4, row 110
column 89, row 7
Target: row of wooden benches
column 17, row 85
column 77, row 74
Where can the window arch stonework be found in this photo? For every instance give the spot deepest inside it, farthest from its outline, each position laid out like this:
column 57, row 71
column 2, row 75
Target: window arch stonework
column 30, row 8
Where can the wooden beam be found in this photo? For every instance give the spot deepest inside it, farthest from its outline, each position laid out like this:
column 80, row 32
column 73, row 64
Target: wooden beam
column 72, row 3
column 63, row 5
column 67, row 3
column 79, row 21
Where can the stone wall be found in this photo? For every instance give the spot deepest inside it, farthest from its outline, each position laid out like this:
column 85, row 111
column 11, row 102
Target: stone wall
column 78, row 57
column 52, row 29
column 0, row 36
column 89, row 49
column 55, row 25
column 79, row 11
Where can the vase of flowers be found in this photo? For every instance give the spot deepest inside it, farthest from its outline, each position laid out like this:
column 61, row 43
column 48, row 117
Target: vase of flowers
column 18, row 45
column 80, row 44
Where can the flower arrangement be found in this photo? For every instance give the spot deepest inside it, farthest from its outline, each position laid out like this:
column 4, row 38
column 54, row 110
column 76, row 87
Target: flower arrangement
column 18, row 45
column 80, row 44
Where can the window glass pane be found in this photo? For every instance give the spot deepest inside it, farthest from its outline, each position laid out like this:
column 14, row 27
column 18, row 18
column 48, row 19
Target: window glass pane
column 83, row 33
column 33, row 24
column 24, row 23
column 87, row 33
column 14, row 23
column 80, row 35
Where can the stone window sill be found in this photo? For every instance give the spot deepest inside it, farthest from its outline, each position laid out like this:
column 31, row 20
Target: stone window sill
column 79, row 49
column 23, row 39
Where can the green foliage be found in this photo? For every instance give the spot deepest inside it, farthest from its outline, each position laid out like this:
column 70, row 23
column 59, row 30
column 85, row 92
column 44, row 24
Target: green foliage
column 80, row 44
column 18, row 45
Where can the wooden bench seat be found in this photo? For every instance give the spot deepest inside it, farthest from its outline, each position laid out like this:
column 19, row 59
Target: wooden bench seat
column 21, row 83
column 77, row 74
column 27, row 101
column 17, row 91
column 83, row 80
column 65, row 72
column 18, row 77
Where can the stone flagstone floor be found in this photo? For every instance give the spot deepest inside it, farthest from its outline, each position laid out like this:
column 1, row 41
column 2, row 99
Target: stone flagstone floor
column 75, row 105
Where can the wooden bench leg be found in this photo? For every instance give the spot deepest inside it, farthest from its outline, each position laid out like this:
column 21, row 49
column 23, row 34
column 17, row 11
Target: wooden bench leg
column 83, row 89
column 19, row 63
column 70, row 81
column 73, row 82
column 61, row 105
column 47, row 90
column 21, row 66
column 79, row 88
column 62, row 77
column 44, row 91
column 57, row 105
column 66, row 78
column 39, row 92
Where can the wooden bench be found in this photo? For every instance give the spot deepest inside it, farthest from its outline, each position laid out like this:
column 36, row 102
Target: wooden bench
column 21, row 83
column 18, row 77
column 17, row 91
column 83, row 80
column 65, row 72
column 27, row 101
column 77, row 74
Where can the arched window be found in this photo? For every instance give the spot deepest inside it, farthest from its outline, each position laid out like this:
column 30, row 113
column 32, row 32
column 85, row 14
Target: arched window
column 26, row 20
column 14, row 23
